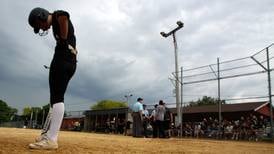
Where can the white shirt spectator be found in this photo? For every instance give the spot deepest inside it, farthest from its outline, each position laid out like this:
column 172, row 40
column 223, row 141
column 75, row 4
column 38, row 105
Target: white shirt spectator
column 145, row 112
column 137, row 107
column 160, row 112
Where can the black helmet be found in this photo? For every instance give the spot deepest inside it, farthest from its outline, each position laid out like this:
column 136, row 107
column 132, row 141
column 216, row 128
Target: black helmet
column 37, row 14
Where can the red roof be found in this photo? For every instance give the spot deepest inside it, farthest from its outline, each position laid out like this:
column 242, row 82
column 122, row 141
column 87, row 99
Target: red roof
column 251, row 106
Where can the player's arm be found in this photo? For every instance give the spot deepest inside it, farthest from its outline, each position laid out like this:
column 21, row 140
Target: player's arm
column 63, row 27
column 63, row 23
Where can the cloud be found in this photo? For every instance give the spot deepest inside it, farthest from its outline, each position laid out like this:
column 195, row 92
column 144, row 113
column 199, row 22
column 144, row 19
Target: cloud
column 122, row 52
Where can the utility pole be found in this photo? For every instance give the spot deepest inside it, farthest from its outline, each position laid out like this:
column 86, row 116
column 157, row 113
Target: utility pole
column 181, row 107
column 180, row 25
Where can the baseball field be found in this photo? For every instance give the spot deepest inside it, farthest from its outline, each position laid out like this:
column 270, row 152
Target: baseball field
column 15, row 141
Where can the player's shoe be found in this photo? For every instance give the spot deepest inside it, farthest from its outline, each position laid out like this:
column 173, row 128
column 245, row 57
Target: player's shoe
column 40, row 138
column 44, row 143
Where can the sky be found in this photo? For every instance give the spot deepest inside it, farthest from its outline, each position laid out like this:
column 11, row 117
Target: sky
column 121, row 51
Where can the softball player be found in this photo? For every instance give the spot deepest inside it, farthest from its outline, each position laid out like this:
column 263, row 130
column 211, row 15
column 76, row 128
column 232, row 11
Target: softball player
column 62, row 68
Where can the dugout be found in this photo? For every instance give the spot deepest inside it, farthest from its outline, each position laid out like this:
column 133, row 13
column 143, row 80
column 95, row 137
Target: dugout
column 111, row 120
column 74, row 123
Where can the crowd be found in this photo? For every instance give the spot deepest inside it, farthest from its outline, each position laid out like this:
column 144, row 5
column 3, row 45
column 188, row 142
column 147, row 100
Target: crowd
column 249, row 127
column 159, row 123
column 115, row 125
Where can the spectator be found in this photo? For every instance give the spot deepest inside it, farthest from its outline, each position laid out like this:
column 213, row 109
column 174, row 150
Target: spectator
column 145, row 120
column 262, row 122
column 236, row 130
column 153, row 122
column 137, row 111
column 77, row 126
column 197, row 130
column 25, row 123
column 108, row 126
column 228, row 131
column 160, row 113
column 204, row 126
column 120, row 126
column 113, row 125
column 188, row 130
column 128, row 123
column 168, row 119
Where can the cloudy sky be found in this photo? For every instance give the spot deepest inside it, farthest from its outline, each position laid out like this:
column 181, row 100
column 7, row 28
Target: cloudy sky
column 121, row 51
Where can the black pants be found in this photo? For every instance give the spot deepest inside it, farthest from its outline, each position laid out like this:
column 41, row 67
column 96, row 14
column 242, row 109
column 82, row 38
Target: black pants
column 167, row 127
column 145, row 124
column 160, row 126
column 154, row 128
column 61, row 71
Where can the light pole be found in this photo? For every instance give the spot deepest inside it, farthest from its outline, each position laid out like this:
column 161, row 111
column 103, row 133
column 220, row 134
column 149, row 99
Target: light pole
column 128, row 115
column 180, row 25
column 128, row 97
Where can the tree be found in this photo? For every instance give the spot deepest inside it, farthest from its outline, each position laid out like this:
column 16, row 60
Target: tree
column 36, row 112
column 44, row 112
column 6, row 112
column 27, row 111
column 46, row 108
column 205, row 101
column 108, row 104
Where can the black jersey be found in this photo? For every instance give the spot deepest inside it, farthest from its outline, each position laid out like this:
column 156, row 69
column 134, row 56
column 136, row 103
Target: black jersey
column 71, row 39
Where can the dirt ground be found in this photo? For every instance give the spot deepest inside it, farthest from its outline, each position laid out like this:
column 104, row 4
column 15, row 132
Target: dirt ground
column 15, row 141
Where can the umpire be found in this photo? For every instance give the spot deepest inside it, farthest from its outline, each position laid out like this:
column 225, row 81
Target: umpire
column 137, row 111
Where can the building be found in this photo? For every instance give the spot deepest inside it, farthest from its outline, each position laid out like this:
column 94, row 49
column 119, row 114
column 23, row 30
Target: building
column 228, row 111
column 110, row 120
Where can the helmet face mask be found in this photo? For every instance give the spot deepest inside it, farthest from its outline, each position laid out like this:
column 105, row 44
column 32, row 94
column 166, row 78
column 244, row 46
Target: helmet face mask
column 43, row 33
column 41, row 27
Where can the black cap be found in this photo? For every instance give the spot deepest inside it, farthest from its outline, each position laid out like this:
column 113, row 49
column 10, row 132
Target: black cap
column 35, row 15
column 161, row 102
column 139, row 99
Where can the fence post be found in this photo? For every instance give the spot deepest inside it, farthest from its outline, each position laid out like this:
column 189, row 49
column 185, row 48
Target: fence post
column 181, row 107
column 219, row 97
column 270, row 95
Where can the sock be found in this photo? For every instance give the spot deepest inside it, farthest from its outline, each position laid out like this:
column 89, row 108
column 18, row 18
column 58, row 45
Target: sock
column 56, row 121
column 47, row 122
